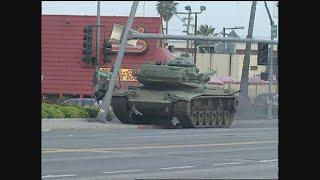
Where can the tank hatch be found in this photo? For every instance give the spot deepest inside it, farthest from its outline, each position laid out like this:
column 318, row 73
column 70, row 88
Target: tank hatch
column 181, row 62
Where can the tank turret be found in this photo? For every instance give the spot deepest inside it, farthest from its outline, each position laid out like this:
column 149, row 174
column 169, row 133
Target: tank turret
column 178, row 71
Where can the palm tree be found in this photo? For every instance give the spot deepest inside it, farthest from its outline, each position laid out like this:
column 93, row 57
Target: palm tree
column 205, row 30
column 166, row 9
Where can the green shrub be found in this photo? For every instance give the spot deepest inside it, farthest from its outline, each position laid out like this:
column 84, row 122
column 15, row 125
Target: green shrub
column 67, row 111
column 92, row 112
column 70, row 111
column 44, row 113
column 53, row 111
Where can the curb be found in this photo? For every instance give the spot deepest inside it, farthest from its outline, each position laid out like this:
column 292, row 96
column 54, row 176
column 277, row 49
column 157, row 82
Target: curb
column 85, row 123
column 71, row 119
column 148, row 127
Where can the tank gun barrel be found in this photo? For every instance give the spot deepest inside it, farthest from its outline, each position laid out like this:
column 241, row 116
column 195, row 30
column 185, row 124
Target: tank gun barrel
column 209, row 73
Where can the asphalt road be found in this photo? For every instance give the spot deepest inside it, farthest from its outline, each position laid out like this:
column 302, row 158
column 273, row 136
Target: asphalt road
column 249, row 149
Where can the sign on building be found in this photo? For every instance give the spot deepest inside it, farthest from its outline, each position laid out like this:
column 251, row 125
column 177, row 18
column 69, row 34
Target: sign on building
column 132, row 46
column 126, row 74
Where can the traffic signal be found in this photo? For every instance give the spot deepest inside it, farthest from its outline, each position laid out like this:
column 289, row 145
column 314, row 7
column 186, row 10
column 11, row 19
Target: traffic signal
column 87, row 44
column 262, row 54
column 107, row 50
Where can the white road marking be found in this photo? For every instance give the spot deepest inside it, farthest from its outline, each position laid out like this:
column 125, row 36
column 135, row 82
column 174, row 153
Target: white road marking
column 181, row 167
column 271, row 160
column 124, row 171
column 214, row 129
column 62, row 175
column 46, row 130
column 179, row 156
column 195, row 135
column 55, row 150
column 246, row 161
column 222, row 164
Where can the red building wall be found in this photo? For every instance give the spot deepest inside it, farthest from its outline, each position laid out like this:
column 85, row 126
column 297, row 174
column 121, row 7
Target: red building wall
column 64, row 72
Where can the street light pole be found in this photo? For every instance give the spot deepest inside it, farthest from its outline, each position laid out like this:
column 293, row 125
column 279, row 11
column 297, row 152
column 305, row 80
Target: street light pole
column 188, row 8
column 97, row 67
column 224, row 32
column 270, row 66
column 189, row 14
column 195, row 41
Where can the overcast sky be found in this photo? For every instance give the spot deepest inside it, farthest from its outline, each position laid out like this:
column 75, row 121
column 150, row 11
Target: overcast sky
column 218, row 14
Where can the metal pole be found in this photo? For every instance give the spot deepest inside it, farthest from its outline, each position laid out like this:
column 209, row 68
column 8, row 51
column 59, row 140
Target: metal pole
column 224, row 35
column 270, row 67
column 107, row 99
column 230, row 57
column 188, row 30
column 270, row 83
column 97, row 66
column 95, row 78
column 195, row 42
column 144, row 8
column 134, row 35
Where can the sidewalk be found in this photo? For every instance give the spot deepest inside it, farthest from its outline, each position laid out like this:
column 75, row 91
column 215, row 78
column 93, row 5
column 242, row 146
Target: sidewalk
column 75, row 123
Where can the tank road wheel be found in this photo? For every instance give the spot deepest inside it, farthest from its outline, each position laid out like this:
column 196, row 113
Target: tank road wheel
column 207, row 119
column 213, row 118
column 226, row 119
column 201, row 119
column 219, row 118
column 194, row 119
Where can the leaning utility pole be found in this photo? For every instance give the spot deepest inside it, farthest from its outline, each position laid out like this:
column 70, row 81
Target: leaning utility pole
column 102, row 116
column 270, row 64
column 244, row 99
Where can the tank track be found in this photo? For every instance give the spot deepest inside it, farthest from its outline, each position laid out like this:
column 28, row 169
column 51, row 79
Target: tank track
column 206, row 112
column 121, row 108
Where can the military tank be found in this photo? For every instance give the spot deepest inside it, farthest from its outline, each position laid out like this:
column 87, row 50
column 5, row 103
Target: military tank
column 175, row 94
